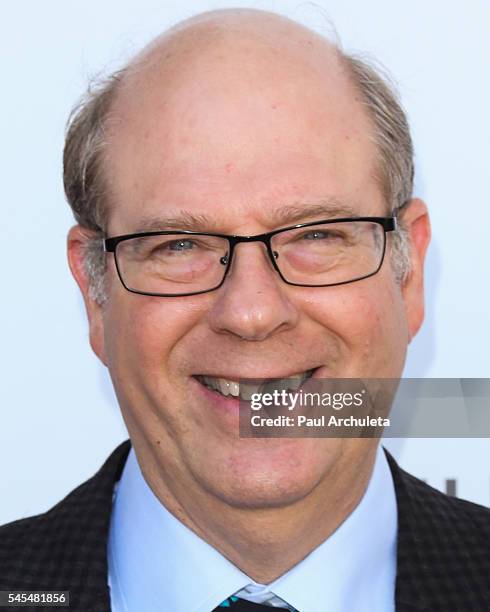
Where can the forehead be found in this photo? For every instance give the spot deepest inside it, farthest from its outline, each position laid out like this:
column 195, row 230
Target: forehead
column 236, row 127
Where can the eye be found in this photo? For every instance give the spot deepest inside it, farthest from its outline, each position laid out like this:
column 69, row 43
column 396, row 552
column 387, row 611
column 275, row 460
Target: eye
column 320, row 235
column 171, row 248
column 178, row 245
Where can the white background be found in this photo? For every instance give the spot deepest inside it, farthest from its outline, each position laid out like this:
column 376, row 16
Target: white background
column 59, row 418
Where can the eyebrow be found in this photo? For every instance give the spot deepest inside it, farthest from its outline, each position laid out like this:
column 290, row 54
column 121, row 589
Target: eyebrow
column 295, row 213
column 281, row 216
column 177, row 220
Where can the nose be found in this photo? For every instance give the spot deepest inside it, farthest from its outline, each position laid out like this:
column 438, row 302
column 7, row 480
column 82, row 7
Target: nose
column 253, row 302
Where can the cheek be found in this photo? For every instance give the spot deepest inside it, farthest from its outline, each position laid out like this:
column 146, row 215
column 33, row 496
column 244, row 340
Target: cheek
column 371, row 333
column 141, row 332
column 141, row 335
column 376, row 336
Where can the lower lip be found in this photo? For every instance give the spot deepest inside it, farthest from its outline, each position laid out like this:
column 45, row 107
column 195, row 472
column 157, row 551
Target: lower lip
column 226, row 403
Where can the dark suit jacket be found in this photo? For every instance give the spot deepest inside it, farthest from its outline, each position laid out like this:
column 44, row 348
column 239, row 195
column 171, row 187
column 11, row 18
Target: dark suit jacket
column 443, row 547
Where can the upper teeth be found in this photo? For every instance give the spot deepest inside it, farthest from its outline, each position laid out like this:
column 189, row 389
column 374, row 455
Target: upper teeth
column 245, row 390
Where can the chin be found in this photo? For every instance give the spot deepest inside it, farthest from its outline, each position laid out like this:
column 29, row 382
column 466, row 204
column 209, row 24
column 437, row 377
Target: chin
column 260, row 495
column 276, row 475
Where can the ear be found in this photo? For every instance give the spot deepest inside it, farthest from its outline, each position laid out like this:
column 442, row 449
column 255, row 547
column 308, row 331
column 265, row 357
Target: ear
column 78, row 238
column 416, row 220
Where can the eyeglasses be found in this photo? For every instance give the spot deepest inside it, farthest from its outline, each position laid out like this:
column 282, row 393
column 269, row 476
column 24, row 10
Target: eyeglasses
column 316, row 254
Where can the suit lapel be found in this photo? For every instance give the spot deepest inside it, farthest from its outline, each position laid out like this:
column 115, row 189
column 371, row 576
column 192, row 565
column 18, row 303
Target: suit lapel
column 442, row 557
column 409, row 588
column 86, row 541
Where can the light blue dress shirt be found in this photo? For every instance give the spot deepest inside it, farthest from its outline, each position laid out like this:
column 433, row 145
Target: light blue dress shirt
column 157, row 564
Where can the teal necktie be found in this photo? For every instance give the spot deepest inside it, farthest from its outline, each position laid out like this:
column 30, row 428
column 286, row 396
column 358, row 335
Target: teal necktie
column 235, row 604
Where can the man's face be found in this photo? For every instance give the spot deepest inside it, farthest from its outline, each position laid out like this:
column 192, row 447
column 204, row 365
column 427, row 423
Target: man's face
column 239, row 147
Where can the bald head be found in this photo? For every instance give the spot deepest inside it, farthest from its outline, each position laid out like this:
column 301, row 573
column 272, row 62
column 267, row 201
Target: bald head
column 239, row 33
column 235, row 47
column 233, row 56
column 222, row 92
column 229, row 89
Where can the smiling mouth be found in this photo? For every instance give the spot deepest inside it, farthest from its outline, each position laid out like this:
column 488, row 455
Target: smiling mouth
column 245, row 390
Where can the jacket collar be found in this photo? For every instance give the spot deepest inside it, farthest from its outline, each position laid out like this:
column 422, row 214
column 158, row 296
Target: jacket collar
column 96, row 496
column 443, row 561
column 409, row 589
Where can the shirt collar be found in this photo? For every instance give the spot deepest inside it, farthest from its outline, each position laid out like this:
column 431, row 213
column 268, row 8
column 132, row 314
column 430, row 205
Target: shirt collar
column 155, row 560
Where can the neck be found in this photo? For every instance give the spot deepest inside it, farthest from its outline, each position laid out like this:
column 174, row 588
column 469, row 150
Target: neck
column 264, row 543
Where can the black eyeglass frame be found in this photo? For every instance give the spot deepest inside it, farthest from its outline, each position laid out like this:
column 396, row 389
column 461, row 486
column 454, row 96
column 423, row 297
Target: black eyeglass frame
column 389, row 224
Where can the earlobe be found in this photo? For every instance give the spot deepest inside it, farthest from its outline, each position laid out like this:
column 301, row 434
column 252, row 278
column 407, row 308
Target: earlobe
column 416, row 220
column 76, row 245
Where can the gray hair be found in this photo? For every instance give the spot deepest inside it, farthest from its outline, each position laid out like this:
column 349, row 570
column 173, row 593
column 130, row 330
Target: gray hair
column 84, row 177
column 392, row 138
